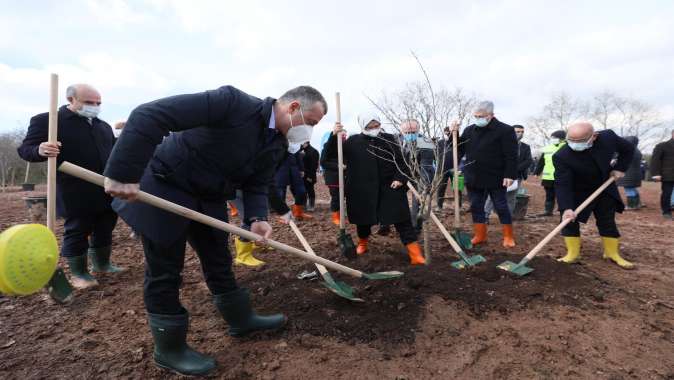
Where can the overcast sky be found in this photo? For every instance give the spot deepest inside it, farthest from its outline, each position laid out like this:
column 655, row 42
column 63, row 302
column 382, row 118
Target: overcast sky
column 516, row 53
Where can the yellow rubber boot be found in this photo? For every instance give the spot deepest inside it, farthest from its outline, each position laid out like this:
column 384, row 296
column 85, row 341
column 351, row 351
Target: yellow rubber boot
column 572, row 250
column 612, row 252
column 244, row 254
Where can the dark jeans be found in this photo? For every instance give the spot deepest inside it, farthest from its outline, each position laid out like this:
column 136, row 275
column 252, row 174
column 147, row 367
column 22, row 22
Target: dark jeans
column 285, row 178
column 478, row 197
column 334, row 198
column 309, row 187
column 405, row 229
column 164, row 266
column 666, row 197
column 82, row 232
column 604, row 215
column 549, row 199
column 442, row 188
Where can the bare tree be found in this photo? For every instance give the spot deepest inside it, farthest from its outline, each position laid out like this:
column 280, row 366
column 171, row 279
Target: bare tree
column 558, row 113
column 11, row 165
column 434, row 110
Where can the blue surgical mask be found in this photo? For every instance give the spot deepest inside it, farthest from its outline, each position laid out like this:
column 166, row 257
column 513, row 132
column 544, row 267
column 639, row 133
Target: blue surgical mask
column 579, row 146
column 481, row 121
column 410, row 137
column 89, row 111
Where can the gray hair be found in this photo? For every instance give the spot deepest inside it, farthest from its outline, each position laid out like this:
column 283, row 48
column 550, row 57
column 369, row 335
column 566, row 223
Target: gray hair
column 485, row 105
column 71, row 91
column 307, row 96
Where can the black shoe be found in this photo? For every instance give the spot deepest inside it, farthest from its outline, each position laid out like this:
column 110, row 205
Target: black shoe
column 100, row 260
column 170, row 346
column 236, row 309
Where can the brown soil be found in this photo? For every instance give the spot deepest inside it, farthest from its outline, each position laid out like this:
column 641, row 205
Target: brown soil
column 591, row 320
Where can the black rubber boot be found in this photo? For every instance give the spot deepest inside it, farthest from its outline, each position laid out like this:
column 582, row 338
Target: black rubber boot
column 171, row 351
column 100, row 260
column 549, row 206
column 79, row 271
column 236, row 309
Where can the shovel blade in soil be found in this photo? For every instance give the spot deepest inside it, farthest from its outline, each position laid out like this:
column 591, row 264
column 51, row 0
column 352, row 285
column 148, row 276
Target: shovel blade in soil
column 340, row 288
column 518, row 269
column 468, row 261
column 346, row 245
column 383, row 275
column 59, row 287
column 463, row 239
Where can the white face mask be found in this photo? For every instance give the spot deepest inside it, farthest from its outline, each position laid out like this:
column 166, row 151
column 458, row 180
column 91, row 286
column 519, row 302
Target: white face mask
column 294, row 148
column 299, row 134
column 372, row 132
column 89, row 111
column 554, row 141
column 481, row 121
column 579, row 146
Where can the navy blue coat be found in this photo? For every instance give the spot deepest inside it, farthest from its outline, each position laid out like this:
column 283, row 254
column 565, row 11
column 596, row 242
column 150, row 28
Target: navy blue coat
column 574, row 175
column 491, row 154
column 83, row 144
column 221, row 142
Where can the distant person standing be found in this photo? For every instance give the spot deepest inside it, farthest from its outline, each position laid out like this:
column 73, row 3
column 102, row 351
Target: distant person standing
column 662, row 170
column 631, row 182
column 310, row 159
column 87, row 141
column 546, row 169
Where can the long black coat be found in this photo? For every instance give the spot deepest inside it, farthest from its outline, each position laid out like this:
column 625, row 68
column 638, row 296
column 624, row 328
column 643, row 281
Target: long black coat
column 524, row 160
column 310, row 160
column 575, row 178
column 662, row 162
column 222, row 142
column 491, row 154
column 632, row 176
column 83, row 144
column 329, row 163
column 369, row 197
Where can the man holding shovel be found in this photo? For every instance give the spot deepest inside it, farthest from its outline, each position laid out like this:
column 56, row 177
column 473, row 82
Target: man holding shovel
column 580, row 168
column 224, row 140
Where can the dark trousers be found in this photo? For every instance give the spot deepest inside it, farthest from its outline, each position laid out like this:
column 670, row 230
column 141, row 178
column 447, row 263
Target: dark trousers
column 666, row 197
column 309, row 187
column 164, row 266
column 405, row 229
column 478, row 197
column 82, row 232
column 334, row 198
column 442, row 188
column 285, row 178
column 549, row 198
column 604, row 215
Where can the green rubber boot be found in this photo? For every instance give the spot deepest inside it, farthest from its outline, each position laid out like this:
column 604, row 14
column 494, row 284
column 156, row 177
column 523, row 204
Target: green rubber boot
column 170, row 347
column 79, row 271
column 100, row 260
column 236, row 310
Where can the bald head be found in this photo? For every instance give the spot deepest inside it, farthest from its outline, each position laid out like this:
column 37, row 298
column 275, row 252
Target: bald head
column 580, row 131
column 81, row 95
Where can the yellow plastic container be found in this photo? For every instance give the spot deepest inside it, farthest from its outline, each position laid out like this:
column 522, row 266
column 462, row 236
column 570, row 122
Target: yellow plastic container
column 28, row 258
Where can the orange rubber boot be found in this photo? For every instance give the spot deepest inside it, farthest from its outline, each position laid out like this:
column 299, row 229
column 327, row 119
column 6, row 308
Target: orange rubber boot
column 299, row 214
column 480, row 230
column 361, row 248
column 508, row 236
column 335, row 218
column 233, row 210
column 414, row 251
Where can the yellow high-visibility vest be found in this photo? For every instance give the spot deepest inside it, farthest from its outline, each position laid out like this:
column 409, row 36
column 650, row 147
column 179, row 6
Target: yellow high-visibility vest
column 549, row 168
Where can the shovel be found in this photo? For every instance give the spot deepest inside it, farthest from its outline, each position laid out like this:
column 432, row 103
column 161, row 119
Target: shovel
column 59, row 287
column 338, row 287
column 521, row 268
column 460, row 236
column 344, row 240
column 97, row 179
column 465, row 259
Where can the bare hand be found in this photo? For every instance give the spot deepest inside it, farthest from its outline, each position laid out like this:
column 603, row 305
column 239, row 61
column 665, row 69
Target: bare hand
column 507, row 182
column 338, row 128
column 657, row 178
column 455, row 126
column 263, row 229
column 286, row 218
column 127, row 191
column 396, row 184
column 47, row 149
column 119, row 125
column 617, row 174
column 569, row 214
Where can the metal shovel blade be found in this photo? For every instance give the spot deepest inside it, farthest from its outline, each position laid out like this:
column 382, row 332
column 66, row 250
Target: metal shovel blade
column 383, row 275
column 340, row 288
column 519, row 269
column 463, row 239
column 346, row 245
column 59, row 287
column 468, row 261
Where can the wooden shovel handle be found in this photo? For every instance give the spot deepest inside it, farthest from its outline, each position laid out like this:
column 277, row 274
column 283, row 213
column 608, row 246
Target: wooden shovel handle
column 306, row 245
column 163, row 204
column 340, row 164
column 455, row 180
column 443, row 230
column 51, row 161
column 564, row 222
